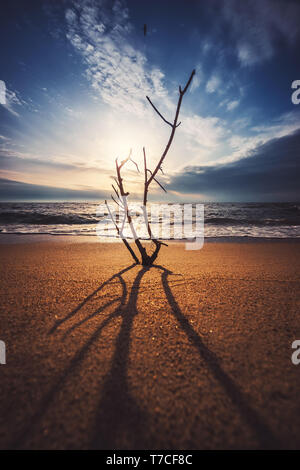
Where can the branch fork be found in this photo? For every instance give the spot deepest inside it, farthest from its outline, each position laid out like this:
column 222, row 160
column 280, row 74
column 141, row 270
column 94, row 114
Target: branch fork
column 149, row 176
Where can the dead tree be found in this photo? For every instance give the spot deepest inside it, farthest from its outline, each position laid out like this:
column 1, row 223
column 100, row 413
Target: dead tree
column 149, row 176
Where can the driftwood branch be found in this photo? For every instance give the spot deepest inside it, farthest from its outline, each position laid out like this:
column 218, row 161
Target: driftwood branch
column 181, row 94
column 155, row 108
column 157, row 181
column 124, row 195
column 123, row 239
column 116, row 202
column 149, row 176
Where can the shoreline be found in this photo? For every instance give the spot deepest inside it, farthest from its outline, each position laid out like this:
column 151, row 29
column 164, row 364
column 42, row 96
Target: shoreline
column 16, row 238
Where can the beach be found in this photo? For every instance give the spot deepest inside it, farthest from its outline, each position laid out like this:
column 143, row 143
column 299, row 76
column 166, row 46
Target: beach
column 193, row 353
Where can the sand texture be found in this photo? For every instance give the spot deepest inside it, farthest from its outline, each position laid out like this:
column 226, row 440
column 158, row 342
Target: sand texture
column 194, row 353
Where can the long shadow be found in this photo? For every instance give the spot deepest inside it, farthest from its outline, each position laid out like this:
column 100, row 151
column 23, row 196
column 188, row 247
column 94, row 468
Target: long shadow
column 251, row 417
column 28, row 429
column 119, row 422
column 116, row 276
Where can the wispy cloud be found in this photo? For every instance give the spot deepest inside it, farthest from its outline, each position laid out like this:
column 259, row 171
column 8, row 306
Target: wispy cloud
column 204, row 132
column 257, row 27
column 213, row 84
column 10, row 99
column 232, row 105
column 118, row 72
column 243, row 146
column 198, row 78
column 121, row 76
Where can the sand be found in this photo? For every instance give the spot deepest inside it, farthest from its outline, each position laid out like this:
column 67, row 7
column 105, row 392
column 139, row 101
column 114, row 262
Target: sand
column 194, row 353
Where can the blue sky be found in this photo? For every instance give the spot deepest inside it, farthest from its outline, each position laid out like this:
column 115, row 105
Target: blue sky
column 76, row 73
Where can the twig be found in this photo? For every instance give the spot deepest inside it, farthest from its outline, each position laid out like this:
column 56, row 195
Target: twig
column 122, row 238
column 181, row 94
column 157, row 181
column 154, row 107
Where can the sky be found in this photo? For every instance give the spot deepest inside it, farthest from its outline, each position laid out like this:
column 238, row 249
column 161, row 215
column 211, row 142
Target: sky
column 74, row 77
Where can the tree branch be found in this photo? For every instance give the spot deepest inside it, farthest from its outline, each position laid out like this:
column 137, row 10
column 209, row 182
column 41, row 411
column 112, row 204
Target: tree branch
column 123, row 239
column 157, row 182
column 181, row 94
column 154, row 107
column 122, row 194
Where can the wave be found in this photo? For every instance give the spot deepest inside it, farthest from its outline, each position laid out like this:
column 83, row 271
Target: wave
column 259, row 222
column 279, row 220
column 46, row 219
column 35, row 218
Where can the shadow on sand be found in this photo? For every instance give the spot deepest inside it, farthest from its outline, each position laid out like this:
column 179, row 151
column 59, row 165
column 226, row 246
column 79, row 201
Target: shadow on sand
column 119, row 422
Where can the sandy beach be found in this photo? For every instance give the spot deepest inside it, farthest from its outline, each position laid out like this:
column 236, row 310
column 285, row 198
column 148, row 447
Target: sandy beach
column 194, row 353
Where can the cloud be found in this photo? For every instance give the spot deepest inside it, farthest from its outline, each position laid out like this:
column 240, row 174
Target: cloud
column 257, row 27
column 242, row 146
column 229, row 104
column 118, row 72
column 11, row 99
column 232, row 105
column 121, row 76
column 213, row 84
column 10, row 159
column 270, row 172
column 15, row 190
column 204, row 132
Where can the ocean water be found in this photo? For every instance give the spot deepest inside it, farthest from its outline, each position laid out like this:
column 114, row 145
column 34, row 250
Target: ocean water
column 254, row 220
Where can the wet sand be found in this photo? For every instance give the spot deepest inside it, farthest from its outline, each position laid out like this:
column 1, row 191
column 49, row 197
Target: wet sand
column 194, row 353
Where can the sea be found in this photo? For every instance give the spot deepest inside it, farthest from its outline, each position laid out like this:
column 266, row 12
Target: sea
column 221, row 220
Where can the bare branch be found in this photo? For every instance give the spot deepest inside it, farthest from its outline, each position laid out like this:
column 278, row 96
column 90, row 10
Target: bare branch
column 145, row 183
column 123, row 239
column 181, row 94
column 126, row 159
column 135, row 164
column 116, row 201
column 159, row 184
column 157, row 181
column 189, row 82
column 116, row 181
column 116, row 191
column 122, row 194
column 154, row 107
column 123, row 162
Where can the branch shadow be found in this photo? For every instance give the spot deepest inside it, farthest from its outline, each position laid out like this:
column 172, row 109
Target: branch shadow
column 119, row 421
column 117, row 276
column 117, row 412
column 28, row 429
column 251, row 417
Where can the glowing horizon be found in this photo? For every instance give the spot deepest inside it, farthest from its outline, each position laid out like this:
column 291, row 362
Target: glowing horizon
column 78, row 100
